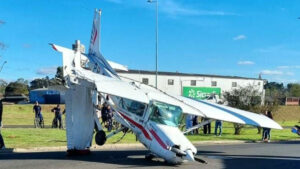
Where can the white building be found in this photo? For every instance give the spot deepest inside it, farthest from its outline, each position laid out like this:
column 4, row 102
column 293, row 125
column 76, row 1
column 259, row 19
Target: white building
column 193, row 85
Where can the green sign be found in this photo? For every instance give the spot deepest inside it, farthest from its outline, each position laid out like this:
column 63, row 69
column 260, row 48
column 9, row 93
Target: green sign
column 200, row 92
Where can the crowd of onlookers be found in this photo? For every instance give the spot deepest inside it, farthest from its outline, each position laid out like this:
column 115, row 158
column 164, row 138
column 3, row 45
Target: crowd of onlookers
column 57, row 120
column 192, row 121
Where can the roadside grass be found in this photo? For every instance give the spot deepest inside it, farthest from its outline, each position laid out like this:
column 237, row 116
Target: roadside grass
column 29, row 138
column 287, row 116
column 19, row 114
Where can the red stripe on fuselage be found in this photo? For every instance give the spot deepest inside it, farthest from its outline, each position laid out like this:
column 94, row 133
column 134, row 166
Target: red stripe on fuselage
column 95, row 37
column 138, row 126
column 162, row 144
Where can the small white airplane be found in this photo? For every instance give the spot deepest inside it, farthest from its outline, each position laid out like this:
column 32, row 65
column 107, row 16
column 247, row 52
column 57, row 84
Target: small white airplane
column 151, row 114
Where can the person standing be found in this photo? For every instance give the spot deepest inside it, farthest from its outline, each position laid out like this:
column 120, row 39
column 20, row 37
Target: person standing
column 218, row 125
column 37, row 109
column 206, row 127
column 195, row 123
column 2, row 145
column 267, row 131
column 57, row 117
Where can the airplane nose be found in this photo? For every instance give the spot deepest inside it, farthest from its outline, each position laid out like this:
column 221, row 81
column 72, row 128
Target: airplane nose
column 189, row 155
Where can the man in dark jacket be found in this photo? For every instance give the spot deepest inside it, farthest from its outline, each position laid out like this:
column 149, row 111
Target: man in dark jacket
column 2, row 146
column 58, row 116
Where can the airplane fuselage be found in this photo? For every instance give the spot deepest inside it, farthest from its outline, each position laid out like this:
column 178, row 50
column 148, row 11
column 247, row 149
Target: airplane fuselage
column 163, row 139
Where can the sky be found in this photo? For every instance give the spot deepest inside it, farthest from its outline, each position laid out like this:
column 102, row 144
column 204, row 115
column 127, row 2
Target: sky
column 233, row 37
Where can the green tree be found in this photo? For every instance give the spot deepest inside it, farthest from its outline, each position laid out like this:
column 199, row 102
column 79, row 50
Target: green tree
column 275, row 93
column 18, row 87
column 293, row 89
column 246, row 98
column 3, row 85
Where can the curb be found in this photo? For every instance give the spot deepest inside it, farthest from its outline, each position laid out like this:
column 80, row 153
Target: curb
column 134, row 146
column 115, row 147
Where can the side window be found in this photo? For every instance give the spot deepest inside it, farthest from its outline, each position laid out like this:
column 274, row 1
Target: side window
column 193, row 82
column 170, row 81
column 145, row 81
column 133, row 106
column 234, row 84
column 213, row 83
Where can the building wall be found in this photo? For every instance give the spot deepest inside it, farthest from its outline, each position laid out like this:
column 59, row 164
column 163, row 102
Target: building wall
column 180, row 81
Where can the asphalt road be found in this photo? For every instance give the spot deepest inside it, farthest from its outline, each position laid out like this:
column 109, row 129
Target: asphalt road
column 284, row 155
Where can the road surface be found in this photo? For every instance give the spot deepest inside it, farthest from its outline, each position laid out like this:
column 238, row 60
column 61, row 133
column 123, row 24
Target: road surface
column 281, row 155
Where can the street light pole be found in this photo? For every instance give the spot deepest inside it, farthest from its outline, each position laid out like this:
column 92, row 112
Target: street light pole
column 156, row 43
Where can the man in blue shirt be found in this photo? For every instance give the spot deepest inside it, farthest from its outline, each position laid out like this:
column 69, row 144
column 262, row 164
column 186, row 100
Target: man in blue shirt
column 57, row 116
column 37, row 109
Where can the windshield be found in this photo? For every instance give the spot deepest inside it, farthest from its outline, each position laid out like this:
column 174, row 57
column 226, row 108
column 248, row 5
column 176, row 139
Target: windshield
column 166, row 114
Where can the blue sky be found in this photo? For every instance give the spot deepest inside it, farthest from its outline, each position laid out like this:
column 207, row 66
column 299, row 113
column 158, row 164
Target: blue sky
column 232, row 37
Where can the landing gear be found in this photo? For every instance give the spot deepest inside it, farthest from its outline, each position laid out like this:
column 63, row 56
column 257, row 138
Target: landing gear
column 100, row 137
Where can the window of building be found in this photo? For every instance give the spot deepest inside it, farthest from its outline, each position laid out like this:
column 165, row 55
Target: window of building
column 234, row 84
column 170, row 81
column 145, row 81
column 258, row 83
column 193, row 82
column 213, row 83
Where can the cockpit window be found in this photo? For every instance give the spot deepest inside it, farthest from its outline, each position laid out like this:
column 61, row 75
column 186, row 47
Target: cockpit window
column 133, row 106
column 166, row 114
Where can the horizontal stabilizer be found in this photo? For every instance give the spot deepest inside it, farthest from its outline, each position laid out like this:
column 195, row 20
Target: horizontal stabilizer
column 117, row 66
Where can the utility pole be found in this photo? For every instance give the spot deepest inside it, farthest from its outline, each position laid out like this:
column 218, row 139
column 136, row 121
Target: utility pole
column 156, row 43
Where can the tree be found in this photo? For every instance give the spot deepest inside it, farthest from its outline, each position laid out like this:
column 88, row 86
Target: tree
column 246, row 98
column 293, row 89
column 275, row 92
column 46, row 82
column 59, row 73
column 18, row 87
column 3, row 85
column 39, row 83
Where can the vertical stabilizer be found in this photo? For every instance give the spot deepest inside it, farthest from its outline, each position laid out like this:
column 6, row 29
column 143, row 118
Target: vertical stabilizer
column 98, row 63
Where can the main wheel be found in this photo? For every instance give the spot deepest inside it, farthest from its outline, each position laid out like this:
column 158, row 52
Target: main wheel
column 100, row 137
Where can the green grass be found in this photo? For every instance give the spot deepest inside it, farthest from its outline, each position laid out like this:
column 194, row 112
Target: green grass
column 23, row 114
column 27, row 138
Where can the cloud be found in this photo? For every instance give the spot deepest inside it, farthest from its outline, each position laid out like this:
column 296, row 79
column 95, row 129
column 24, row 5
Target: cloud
column 47, row 70
column 245, row 63
column 271, row 72
column 173, row 8
column 290, row 73
column 239, row 37
column 279, row 50
column 289, row 67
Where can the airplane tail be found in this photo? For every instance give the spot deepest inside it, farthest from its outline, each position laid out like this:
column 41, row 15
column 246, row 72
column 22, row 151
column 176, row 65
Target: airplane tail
column 98, row 63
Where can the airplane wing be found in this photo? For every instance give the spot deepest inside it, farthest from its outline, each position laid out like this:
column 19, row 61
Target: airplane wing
column 226, row 113
column 113, row 86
